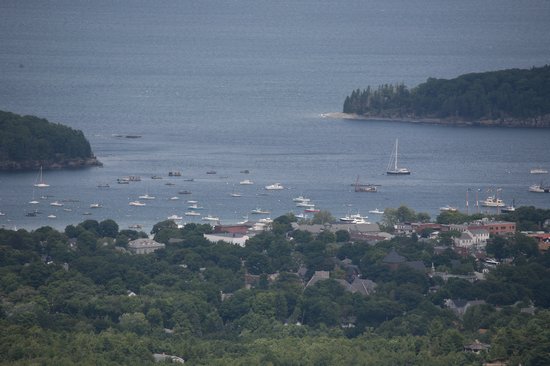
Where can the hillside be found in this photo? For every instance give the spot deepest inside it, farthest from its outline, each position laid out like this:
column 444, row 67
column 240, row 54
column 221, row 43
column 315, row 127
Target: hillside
column 510, row 98
column 27, row 142
column 81, row 297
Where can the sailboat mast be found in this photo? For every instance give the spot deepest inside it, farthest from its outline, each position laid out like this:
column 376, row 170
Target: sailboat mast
column 396, row 144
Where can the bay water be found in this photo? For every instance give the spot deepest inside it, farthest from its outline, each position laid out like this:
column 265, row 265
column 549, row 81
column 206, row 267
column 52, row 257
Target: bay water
column 229, row 86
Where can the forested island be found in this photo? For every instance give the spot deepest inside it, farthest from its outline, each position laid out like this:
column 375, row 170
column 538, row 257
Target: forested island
column 508, row 98
column 28, row 142
column 81, row 296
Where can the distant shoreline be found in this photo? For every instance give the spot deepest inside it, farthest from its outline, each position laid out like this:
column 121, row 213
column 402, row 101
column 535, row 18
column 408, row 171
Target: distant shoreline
column 30, row 165
column 538, row 122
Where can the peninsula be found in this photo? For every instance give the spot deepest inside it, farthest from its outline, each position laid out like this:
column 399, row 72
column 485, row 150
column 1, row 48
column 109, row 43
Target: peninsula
column 29, row 142
column 505, row 98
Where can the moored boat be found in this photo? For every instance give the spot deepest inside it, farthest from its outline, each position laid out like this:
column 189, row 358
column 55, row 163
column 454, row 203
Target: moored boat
column 539, row 188
column 174, row 217
column 136, row 203
column 493, row 201
column 211, row 218
column 146, row 196
column 40, row 182
column 274, row 187
column 448, row 208
column 393, row 168
column 192, row 213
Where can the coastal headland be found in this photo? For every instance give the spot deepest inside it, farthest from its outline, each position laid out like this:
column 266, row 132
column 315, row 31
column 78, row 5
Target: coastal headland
column 534, row 122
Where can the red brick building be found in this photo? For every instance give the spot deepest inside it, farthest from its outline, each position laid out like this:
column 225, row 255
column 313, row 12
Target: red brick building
column 499, row 227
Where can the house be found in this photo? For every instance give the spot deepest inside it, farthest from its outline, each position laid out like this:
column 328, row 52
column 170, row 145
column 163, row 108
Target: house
column 403, row 228
column 233, row 229
column 480, row 235
column 393, row 259
column 237, row 239
column 543, row 240
column 162, row 357
column 476, row 347
column 318, row 276
column 466, row 240
column 144, row 246
column 358, row 285
column 353, row 229
column 474, row 237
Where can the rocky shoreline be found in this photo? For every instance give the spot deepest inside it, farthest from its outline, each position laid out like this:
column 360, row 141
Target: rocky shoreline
column 536, row 122
column 17, row 166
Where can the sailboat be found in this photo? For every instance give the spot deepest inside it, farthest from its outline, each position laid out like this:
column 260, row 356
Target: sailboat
column 33, row 201
column 393, row 169
column 40, row 183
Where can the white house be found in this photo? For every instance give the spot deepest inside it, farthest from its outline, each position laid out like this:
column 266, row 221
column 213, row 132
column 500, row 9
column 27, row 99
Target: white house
column 471, row 238
column 237, row 239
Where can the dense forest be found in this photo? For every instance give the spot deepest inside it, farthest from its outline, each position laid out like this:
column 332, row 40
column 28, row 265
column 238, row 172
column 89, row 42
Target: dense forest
column 514, row 94
column 80, row 297
column 27, row 142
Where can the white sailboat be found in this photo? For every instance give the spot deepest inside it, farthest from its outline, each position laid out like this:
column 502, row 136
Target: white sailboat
column 33, row 201
column 393, row 169
column 40, row 182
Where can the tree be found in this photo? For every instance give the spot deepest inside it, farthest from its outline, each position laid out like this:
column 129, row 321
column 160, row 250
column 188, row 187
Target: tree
column 322, row 217
column 166, row 224
column 108, row 228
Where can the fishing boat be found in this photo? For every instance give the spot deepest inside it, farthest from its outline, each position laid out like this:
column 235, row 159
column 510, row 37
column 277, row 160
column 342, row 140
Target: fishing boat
column 305, row 204
column 376, row 211
column 40, row 181
column 195, row 206
column 393, row 168
column 174, row 217
column 300, row 199
column 259, row 211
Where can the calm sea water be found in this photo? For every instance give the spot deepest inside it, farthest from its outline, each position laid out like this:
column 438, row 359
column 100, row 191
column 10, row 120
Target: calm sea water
column 234, row 85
